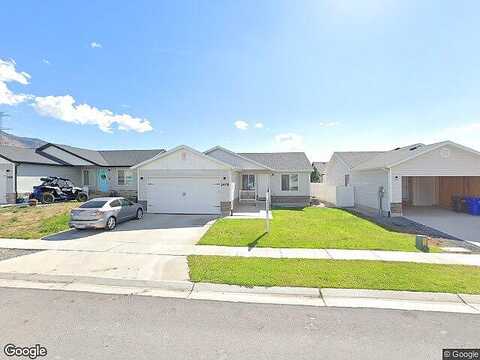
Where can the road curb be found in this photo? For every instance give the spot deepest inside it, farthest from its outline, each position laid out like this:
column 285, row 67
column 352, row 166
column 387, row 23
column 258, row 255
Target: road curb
column 350, row 298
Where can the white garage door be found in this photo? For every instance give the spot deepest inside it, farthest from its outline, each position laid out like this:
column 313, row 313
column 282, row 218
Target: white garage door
column 193, row 195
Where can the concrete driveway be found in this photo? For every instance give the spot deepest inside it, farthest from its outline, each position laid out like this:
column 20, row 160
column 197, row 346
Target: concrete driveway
column 460, row 225
column 155, row 229
column 129, row 252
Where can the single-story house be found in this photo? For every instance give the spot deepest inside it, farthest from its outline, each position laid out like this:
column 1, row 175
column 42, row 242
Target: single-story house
column 101, row 171
column 392, row 182
column 217, row 181
column 321, row 167
column 181, row 180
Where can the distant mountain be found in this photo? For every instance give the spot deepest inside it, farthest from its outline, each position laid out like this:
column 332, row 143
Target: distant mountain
column 20, row 141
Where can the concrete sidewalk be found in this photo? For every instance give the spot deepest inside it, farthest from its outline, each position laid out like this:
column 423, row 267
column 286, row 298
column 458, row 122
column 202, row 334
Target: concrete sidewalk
column 352, row 298
column 151, row 247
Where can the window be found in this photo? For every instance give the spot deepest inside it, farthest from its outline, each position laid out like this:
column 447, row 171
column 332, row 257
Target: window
column 93, row 204
column 347, row 180
column 290, row 182
column 126, row 202
column 86, row 177
column 124, row 177
column 248, row 182
column 115, row 203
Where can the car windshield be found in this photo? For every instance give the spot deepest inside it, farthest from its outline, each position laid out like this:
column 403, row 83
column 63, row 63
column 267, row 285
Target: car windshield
column 93, row 204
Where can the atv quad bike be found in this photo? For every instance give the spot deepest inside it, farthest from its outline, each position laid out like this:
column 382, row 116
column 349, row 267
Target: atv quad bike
column 57, row 189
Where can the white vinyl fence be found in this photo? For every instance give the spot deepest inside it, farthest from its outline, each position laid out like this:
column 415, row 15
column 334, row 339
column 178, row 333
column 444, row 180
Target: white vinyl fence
column 339, row 196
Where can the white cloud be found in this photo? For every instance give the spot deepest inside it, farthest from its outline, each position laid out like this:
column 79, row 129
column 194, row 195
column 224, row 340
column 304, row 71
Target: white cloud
column 45, row 61
column 8, row 73
column 95, row 45
column 329, row 124
column 289, row 142
column 259, row 125
column 64, row 108
column 240, row 124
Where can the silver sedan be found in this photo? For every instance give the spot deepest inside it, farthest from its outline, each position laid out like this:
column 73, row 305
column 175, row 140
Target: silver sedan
column 104, row 213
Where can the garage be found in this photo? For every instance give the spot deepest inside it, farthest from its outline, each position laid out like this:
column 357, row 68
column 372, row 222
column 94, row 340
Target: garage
column 185, row 181
column 183, row 195
column 438, row 190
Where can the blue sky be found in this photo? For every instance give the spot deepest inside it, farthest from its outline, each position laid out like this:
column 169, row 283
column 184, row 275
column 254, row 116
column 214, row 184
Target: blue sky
column 318, row 76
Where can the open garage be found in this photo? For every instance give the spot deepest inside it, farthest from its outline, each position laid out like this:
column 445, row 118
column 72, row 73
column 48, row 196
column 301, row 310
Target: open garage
column 421, row 182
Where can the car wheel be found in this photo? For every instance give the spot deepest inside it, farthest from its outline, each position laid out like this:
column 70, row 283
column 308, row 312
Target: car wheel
column 82, row 197
column 111, row 223
column 48, row 198
column 139, row 214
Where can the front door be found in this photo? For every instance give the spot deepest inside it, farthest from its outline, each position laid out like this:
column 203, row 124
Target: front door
column 102, row 180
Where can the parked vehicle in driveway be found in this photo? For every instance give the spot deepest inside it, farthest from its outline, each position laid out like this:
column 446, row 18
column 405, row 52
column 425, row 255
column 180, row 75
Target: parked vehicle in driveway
column 55, row 188
column 104, row 213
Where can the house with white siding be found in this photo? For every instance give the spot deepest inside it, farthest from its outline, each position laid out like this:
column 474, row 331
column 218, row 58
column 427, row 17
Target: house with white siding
column 396, row 182
column 181, row 180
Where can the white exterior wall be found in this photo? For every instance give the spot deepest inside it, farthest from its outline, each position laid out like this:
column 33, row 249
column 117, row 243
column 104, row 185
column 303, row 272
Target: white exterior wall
column 303, row 184
column 458, row 163
column 7, row 184
column 336, row 171
column 434, row 163
column 366, row 185
column 112, row 176
column 28, row 175
column 186, row 164
column 340, row 196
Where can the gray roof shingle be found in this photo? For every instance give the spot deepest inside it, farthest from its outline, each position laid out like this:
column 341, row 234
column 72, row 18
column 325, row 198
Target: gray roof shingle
column 111, row 157
column 282, row 161
column 25, row 155
column 128, row 157
column 354, row 158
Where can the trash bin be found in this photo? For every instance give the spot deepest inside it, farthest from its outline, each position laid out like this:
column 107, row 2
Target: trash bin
column 457, row 203
column 473, row 205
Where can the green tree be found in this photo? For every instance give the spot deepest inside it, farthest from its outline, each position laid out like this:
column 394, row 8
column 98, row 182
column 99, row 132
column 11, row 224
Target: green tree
column 315, row 176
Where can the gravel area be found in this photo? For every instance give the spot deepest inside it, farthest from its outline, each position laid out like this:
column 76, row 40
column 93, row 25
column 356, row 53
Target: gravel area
column 11, row 253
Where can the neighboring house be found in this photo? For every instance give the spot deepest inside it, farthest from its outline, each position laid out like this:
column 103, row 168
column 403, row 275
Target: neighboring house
column 101, row 171
column 392, row 182
column 321, row 167
column 218, row 181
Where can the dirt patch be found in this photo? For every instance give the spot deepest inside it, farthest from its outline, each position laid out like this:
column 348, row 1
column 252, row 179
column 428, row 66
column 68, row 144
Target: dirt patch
column 29, row 222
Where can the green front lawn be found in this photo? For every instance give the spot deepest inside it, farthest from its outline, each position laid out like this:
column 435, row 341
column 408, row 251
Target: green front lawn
column 308, row 228
column 35, row 222
column 349, row 274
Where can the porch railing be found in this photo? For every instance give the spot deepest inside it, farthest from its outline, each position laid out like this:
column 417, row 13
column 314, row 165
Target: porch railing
column 247, row 195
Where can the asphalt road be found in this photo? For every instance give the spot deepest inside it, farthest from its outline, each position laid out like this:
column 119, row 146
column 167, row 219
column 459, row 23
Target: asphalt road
column 73, row 325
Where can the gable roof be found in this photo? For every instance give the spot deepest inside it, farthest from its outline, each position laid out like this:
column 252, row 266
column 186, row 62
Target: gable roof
column 234, row 159
column 321, row 166
column 282, row 161
column 125, row 158
column 128, row 157
column 181, row 147
column 25, row 155
column 354, row 158
column 397, row 156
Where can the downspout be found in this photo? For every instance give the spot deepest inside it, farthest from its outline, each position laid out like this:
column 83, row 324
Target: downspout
column 14, row 178
column 389, row 192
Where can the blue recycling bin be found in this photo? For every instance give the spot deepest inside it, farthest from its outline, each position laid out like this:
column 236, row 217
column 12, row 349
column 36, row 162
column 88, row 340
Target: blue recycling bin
column 473, row 204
